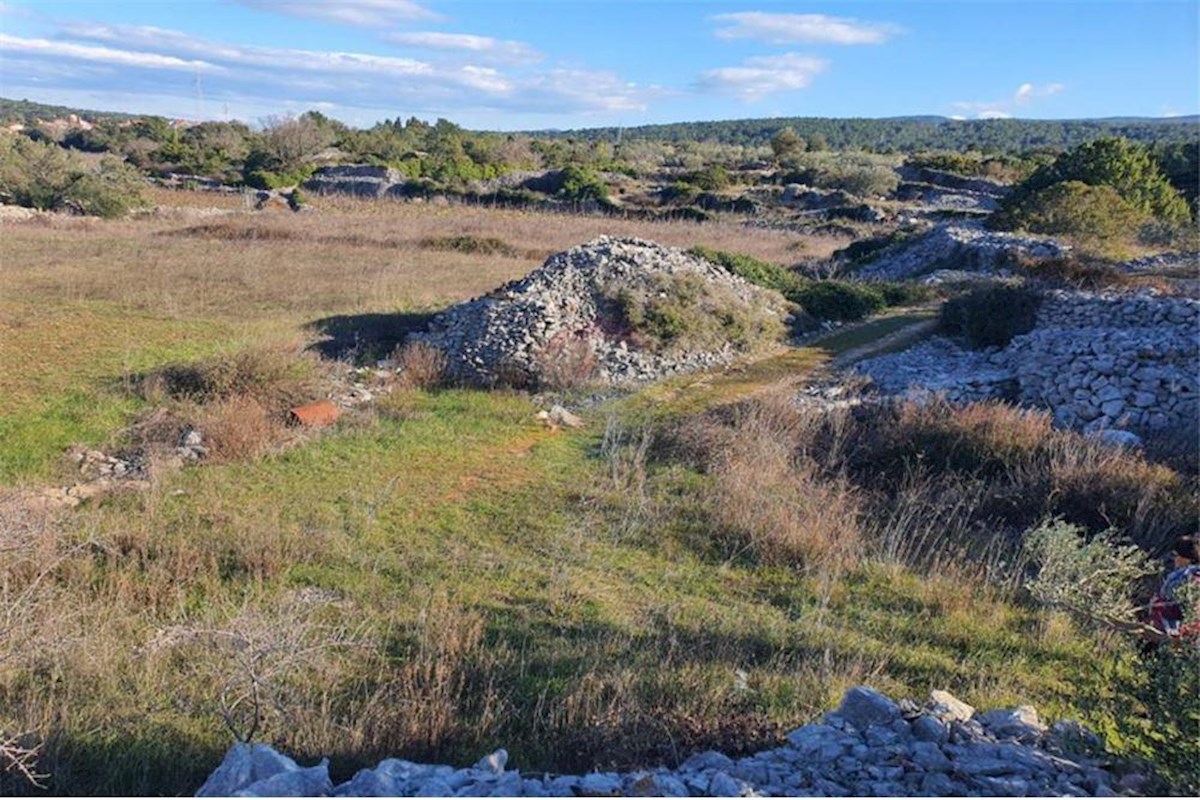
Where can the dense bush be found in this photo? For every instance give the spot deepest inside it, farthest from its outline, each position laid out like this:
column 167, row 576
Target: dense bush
column 1076, row 273
column 1096, row 216
column 856, row 174
column 904, row 293
column 1001, row 167
column 991, row 316
column 581, row 185
column 1125, row 168
column 838, row 300
column 44, row 176
column 759, row 272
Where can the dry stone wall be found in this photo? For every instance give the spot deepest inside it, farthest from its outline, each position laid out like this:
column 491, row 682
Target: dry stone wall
column 1103, row 361
column 1096, row 361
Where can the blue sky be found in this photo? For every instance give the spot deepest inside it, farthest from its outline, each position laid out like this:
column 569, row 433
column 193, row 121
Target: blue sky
column 505, row 64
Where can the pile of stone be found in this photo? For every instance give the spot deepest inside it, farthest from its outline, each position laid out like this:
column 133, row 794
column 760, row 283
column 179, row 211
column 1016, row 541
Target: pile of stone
column 1095, row 361
column 360, row 180
column 1162, row 262
column 563, row 314
column 961, row 246
column 940, row 366
column 871, row 746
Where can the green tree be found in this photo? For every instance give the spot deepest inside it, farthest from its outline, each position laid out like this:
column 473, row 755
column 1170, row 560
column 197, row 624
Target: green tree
column 1086, row 213
column 42, row 175
column 786, row 143
column 581, row 185
column 1125, row 166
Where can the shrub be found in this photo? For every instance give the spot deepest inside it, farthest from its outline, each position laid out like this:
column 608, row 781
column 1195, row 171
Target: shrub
column 581, row 185
column 1125, row 167
column 473, row 245
column 854, row 175
column 1076, row 273
column 838, row 300
column 1094, row 579
column 756, row 271
column 273, row 179
column 238, row 427
column 712, row 178
column 686, row 312
column 1094, row 216
column 566, row 362
column 991, row 316
column 275, row 377
column 44, row 176
column 904, row 293
column 420, row 365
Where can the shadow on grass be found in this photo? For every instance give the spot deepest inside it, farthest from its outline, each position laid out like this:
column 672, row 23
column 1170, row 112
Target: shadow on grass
column 362, row 337
column 156, row 761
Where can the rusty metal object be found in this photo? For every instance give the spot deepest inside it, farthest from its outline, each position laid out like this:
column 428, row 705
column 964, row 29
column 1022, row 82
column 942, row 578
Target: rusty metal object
column 320, row 414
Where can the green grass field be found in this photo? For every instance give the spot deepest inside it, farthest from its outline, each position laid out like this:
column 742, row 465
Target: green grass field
column 432, row 584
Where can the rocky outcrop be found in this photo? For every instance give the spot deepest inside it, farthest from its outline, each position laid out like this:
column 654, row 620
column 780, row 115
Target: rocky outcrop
column 361, row 180
column 1095, row 361
column 565, row 312
column 949, row 180
column 871, row 746
column 958, row 247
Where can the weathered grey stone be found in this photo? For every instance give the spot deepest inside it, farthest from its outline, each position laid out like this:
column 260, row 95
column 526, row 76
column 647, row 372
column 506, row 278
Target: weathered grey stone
column 926, row 728
column 949, row 708
column 930, row 757
column 862, row 706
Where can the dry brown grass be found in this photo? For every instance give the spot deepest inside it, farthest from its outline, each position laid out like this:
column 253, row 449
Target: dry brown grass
column 238, row 428
column 347, row 256
column 929, row 485
column 420, row 366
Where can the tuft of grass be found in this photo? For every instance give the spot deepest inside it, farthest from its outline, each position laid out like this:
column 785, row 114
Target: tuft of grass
column 471, row 245
column 420, row 366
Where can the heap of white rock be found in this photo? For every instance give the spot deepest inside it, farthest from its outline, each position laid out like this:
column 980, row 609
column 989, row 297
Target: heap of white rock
column 563, row 310
column 959, row 246
column 871, row 746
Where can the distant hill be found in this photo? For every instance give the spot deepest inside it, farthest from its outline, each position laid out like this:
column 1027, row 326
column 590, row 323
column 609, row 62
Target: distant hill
column 27, row 112
column 907, row 134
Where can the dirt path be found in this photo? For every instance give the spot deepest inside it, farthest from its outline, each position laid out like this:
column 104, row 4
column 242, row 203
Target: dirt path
column 697, row 391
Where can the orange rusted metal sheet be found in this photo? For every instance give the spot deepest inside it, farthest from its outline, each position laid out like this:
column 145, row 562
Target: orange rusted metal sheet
column 321, row 414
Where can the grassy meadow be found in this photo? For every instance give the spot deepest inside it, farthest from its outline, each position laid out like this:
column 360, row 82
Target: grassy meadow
column 440, row 575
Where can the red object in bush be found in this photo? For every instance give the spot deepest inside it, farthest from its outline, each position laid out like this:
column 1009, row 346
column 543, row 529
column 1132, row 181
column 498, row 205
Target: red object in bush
column 321, row 414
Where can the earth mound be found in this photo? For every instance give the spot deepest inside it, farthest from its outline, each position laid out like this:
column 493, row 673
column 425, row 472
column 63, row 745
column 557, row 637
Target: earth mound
column 613, row 310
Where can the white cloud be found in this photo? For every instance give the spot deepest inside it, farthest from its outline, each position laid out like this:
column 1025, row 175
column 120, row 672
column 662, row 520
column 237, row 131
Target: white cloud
column 1025, row 94
column 103, row 55
column 579, row 90
column 802, row 28
column 501, row 50
column 359, row 13
column 1027, row 91
column 763, row 75
column 283, row 76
